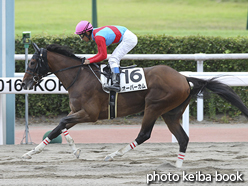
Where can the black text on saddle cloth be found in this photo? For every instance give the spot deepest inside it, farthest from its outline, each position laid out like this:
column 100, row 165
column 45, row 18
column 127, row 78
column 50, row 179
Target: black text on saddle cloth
column 132, row 79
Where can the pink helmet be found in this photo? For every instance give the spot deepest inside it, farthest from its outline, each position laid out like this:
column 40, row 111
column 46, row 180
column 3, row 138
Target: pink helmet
column 83, row 26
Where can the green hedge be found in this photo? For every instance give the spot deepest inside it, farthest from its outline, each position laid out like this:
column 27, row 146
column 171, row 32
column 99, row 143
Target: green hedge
column 147, row 44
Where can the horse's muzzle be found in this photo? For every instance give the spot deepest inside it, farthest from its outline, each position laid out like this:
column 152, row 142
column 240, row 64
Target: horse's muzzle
column 27, row 85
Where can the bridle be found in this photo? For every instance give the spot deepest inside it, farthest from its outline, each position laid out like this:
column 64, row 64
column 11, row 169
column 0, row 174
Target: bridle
column 42, row 69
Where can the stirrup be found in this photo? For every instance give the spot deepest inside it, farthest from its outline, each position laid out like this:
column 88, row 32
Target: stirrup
column 113, row 88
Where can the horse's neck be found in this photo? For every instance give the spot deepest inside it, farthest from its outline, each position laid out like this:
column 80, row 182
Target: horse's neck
column 58, row 62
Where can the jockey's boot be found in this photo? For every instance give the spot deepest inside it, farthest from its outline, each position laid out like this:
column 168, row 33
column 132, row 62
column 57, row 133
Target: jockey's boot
column 116, row 83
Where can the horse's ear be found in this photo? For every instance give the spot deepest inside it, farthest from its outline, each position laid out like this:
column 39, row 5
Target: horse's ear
column 37, row 49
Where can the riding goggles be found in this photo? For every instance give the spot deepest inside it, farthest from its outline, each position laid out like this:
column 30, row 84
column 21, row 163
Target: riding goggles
column 81, row 35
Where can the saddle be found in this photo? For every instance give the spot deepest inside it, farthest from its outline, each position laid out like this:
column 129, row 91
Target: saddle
column 132, row 78
column 112, row 109
column 108, row 74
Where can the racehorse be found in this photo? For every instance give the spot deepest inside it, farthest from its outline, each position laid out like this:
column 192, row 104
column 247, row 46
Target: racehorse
column 167, row 95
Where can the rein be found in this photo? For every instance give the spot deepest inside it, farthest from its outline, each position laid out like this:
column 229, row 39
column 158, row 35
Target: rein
column 42, row 69
column 68, row 68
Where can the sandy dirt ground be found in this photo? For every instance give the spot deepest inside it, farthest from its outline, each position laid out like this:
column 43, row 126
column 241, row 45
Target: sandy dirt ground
column 205, row 163
column 57, row 166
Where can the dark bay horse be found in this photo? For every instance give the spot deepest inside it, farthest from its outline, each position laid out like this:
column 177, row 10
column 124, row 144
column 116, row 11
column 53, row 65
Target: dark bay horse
column 168, row 95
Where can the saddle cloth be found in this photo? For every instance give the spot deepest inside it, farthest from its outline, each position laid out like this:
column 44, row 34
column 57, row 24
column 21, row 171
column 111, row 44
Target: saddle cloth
column 131, row 79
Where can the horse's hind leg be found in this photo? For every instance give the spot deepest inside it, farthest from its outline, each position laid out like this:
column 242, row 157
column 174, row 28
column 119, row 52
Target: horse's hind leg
column 173, row 122
column 145, row 132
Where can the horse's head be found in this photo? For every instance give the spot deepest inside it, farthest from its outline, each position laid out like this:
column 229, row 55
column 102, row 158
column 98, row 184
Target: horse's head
column 37, row 68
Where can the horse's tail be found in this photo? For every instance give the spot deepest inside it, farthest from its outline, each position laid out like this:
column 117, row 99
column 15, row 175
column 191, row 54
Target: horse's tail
column 221, row 89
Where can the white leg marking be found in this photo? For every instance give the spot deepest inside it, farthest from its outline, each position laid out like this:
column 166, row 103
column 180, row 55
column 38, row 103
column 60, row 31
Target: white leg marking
column 180, row 159
column 69, row 140
column 39, row 148
column 121, row 152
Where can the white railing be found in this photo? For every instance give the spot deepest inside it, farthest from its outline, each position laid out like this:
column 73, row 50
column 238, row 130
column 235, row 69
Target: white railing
column 195, row 57
column 229, row 78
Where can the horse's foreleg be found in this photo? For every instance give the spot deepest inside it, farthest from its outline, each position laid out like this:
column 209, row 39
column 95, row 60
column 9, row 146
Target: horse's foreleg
column 53, row 134
column 37, row 149
column 69, row 140
column 68, row 122
column 61, row 128
column 56, row 132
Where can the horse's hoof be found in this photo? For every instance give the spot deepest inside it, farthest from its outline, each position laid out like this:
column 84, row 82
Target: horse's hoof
column 26, row 156
column 77, row 153
column 179, row 163
column 108, row 158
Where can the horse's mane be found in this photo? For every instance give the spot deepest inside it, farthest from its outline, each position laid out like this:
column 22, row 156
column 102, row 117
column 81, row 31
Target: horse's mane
column 64, row 50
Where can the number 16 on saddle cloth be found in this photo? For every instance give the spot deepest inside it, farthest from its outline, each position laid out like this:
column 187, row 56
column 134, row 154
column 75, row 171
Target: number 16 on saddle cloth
column 131, row 79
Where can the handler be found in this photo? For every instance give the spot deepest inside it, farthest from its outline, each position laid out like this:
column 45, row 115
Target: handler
column 104, row 36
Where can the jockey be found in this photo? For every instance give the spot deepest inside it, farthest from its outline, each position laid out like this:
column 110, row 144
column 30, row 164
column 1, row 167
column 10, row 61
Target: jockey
column 104, row 36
